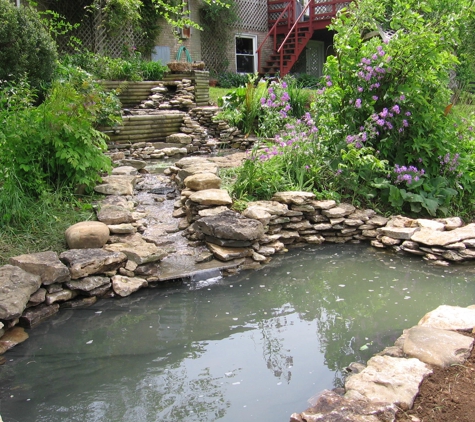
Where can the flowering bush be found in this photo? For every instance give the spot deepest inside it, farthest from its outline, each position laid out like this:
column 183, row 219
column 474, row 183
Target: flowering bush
column 390, row 93
column 275, row 110
column 295, row 160
column 385, row 130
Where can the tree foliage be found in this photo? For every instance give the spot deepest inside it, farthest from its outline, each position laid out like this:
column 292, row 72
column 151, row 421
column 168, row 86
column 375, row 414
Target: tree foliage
column 26, row 47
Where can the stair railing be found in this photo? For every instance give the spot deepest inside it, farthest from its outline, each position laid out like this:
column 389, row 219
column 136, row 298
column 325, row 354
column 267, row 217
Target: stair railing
column 294, row 29
column 289, row 9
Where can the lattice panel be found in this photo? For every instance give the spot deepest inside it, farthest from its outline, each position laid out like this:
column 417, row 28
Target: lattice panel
column 252, row 14
column 94, row 37
column 212, row 52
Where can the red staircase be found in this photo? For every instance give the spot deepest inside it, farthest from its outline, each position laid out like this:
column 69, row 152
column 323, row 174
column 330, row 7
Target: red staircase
column 291, row 27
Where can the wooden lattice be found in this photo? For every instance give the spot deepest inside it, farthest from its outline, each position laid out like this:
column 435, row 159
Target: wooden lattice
column 213, row 51
column 252, row 15
column 91, row 31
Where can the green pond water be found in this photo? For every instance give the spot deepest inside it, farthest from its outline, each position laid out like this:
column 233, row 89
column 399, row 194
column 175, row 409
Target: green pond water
column 252, row 347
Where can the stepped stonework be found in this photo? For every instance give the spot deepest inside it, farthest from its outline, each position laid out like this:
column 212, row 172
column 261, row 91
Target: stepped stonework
column 172, row 121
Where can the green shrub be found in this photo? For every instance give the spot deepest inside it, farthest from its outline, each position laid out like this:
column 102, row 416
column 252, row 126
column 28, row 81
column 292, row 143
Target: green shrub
column 26, row 48
column 307, row 81
column 134, row 68
column 391, row 93
column 56, row 144
column 232, row 80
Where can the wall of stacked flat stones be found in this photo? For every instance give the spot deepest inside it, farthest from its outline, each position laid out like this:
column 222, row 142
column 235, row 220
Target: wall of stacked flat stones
column 200, row 132
column 42, row 283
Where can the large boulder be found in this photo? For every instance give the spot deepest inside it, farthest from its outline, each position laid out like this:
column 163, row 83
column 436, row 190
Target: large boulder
column 85, row 262
column 230, row 225
column 44, row 264
column 87, row 234
column 16, row 287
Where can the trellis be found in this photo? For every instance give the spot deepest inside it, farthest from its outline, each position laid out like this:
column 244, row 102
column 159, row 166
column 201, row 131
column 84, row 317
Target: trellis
column 91, row 31
column 212, row 52
column 252, row 15
column 252, row 18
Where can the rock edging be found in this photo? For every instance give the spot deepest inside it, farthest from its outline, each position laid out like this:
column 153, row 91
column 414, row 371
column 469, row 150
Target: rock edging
column 390, row 381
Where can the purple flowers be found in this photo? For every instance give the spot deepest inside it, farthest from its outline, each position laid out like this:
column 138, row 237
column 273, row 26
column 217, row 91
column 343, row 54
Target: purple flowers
column 407, row 175
column 449, row 163
column 358, row 103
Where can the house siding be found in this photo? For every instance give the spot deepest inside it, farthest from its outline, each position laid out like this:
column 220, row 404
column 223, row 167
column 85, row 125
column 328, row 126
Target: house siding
column 167, row 37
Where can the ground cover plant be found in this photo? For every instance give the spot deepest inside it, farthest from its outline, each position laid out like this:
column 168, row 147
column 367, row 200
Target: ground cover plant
column 382, row 129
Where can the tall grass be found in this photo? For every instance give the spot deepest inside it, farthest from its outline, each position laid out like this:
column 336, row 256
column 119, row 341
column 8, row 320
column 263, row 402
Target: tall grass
column 39, row 225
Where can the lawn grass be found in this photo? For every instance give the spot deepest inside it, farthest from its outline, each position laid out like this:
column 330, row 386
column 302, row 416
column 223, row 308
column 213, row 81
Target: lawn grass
column 217, row 92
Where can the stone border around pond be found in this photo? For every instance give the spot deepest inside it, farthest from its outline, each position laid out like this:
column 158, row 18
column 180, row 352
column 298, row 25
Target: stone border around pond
column 390, row 381
column 34, row 287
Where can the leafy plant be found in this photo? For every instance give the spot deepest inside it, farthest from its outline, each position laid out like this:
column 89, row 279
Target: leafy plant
column 56, row 144
column 26, row 47
column 132, row 68
column 294, row 161
column 231, row 79
column 242, row 105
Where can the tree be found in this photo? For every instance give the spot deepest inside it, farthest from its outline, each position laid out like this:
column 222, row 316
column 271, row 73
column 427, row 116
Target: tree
column 26, row 47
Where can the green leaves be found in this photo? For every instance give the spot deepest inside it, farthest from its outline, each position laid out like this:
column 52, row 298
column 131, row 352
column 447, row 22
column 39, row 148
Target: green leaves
column 55, row 144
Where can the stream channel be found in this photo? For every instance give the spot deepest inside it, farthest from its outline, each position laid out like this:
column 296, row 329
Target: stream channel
column 252, row 347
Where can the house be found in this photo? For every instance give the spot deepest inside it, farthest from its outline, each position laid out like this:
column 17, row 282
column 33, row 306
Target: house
column 266, row 36
column 269, row 37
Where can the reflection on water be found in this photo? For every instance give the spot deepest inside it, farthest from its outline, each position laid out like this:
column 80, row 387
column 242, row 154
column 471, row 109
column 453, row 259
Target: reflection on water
column 251, row 347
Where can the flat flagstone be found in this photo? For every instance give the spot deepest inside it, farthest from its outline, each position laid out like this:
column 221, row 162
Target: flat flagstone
column 450, row 318
column 437, row 238
column 389, row 380
column 437, row 347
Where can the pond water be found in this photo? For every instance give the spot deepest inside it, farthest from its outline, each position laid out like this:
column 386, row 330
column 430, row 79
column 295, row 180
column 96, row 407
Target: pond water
column 254, row 347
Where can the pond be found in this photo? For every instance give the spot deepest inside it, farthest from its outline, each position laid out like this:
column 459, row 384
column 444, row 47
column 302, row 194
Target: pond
column 255, row 346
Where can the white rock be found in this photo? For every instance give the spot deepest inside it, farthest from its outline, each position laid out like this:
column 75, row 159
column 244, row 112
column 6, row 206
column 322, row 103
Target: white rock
column 449, row 318
column 390, row 380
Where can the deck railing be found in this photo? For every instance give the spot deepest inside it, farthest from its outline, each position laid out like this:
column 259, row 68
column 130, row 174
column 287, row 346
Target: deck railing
column 317, row 14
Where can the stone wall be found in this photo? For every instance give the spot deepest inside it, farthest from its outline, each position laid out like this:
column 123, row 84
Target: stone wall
column 173, row 133
column 121, row 253
column 297, row 218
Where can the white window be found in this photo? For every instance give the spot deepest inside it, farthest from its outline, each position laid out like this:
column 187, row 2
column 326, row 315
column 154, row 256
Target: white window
column 246, row 59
